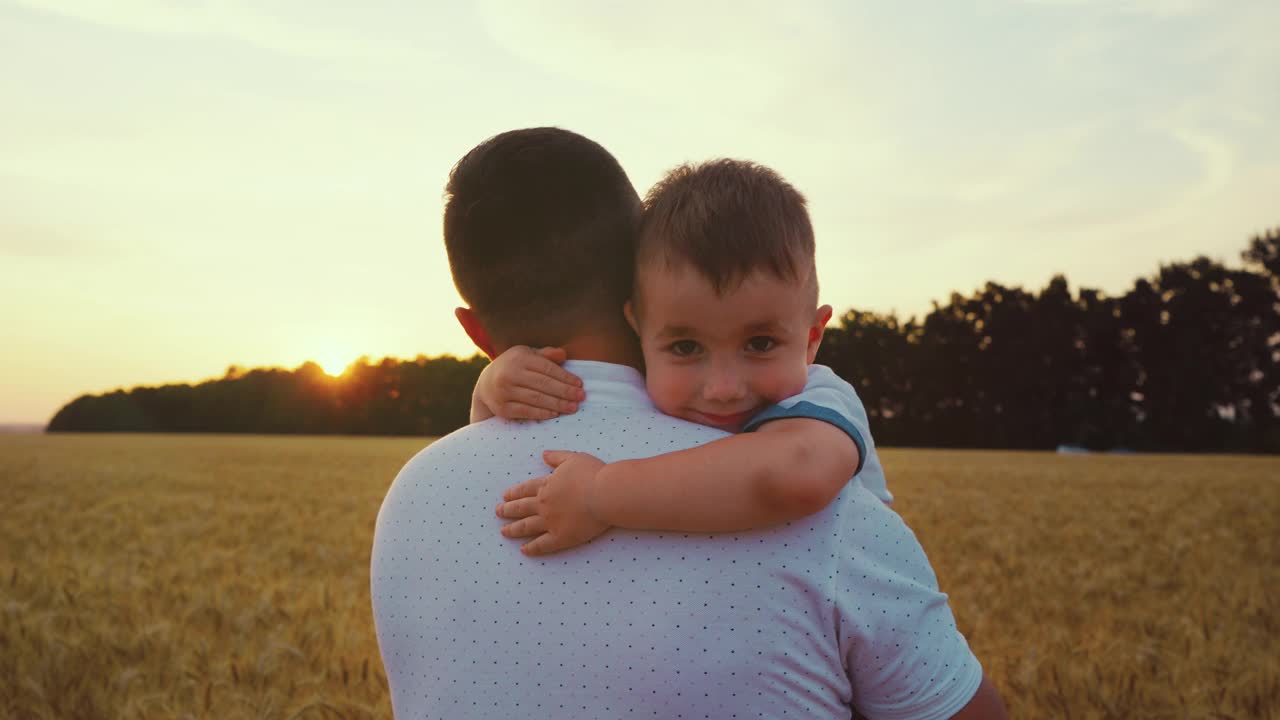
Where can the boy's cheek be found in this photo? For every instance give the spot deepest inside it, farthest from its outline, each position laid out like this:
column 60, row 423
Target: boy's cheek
column 663, row 391
column 789, row 384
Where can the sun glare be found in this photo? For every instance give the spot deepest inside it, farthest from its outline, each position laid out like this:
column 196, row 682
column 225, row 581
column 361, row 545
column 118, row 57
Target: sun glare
column 332, row 365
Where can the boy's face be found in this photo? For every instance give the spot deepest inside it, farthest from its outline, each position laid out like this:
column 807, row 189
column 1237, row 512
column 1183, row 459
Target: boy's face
column 720, row 359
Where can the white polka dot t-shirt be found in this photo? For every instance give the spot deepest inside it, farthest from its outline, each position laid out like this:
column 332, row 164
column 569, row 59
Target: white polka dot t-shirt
column 815, row 618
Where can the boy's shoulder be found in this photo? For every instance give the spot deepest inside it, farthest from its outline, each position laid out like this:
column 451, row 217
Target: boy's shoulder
column 821, row 376
column 826, row 397
column 825, row 389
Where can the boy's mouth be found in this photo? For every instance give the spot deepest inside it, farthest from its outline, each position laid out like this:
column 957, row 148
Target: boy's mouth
column 734, row 421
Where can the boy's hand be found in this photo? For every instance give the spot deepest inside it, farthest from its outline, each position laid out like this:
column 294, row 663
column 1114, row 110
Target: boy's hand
column 555, row 508
column 527, row 384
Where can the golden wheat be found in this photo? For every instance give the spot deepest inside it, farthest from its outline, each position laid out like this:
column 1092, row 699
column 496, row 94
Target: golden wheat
column 174, row 576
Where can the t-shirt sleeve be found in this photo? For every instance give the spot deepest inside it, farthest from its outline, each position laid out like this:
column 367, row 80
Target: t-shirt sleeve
column 898, row 639
column 828, row 398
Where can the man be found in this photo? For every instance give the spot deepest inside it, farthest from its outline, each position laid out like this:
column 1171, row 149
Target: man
column 834, row 613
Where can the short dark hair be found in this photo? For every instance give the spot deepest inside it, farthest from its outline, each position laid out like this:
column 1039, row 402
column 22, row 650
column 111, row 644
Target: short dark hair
column 727, row 219
column 540, row 226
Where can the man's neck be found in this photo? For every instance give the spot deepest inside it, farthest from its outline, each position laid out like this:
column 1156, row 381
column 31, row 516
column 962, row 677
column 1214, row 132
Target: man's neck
column 606, row 347
column 608, row 343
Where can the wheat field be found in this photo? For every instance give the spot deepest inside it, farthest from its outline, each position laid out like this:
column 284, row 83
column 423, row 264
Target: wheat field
column 168, row 576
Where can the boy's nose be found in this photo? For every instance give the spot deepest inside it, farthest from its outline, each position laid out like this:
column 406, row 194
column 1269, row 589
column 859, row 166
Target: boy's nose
column 723, row 386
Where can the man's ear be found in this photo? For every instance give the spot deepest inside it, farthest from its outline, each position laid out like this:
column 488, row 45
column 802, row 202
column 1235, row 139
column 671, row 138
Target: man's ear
column 467, row 318
column 630, row 314
column 820, row 320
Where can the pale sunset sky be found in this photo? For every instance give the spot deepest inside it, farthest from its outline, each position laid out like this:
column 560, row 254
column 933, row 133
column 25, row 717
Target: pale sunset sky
column 187, row 186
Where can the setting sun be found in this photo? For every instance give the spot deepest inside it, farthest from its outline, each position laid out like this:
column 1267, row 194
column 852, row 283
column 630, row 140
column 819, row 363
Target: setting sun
column 332, row 364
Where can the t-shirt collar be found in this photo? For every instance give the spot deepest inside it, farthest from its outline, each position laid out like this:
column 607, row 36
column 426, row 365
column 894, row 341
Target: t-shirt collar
column 610, row 384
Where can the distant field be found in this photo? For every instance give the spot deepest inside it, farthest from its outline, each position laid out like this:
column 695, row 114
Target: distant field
column 169, row 576
column 20, row 428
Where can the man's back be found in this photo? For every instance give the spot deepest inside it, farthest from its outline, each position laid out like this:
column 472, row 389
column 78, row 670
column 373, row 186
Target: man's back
column 762, row 624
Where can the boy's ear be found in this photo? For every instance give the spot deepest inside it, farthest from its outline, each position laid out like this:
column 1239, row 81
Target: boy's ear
column 630, row 314
column 471, row 324
column 820, row 320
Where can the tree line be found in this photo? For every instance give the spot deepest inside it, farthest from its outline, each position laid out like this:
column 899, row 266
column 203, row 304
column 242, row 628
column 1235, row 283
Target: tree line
column 424, row 396
column 1186, row 360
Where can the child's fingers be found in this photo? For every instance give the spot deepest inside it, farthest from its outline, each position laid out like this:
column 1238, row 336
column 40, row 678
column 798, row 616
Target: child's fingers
column 516, row 509
column 538, row 399
column 554, row 458
column 560, row 384
column 515, row 410
column 534, row 525
column 555, row 372
column 528, row 488
column 544, row 544
column 554, row 354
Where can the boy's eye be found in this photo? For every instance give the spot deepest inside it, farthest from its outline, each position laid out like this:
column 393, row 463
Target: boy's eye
column 683, row 348
column 761, row 343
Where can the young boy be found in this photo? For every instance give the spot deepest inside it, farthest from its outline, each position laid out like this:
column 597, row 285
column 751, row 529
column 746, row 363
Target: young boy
column 726, row 308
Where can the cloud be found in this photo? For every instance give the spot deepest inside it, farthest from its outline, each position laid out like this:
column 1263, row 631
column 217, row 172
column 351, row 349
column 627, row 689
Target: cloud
column 1217, row 156
column 739, row 56
column 224, row 19
column 1119, row 215
column 1025, row 162
column 34, row 242
column 1151, row 8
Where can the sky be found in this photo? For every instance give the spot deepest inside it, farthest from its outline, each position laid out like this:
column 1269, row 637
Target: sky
column 188, row 186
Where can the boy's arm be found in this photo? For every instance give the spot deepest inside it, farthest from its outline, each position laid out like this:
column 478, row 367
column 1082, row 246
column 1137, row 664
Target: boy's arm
column 801, row 454
column 736, row 483
column 786, row 470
